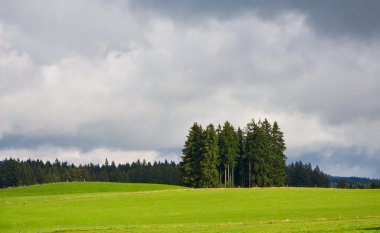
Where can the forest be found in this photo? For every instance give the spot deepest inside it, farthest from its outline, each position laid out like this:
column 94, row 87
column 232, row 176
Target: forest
column 221, row 156
column 15, row 172
column 253, row 157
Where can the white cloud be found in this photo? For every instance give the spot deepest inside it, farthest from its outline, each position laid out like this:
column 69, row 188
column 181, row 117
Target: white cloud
column 76, row 156
column 112, row 77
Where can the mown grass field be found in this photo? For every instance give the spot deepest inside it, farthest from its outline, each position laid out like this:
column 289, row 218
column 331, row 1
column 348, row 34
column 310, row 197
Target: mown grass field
column 112, row 207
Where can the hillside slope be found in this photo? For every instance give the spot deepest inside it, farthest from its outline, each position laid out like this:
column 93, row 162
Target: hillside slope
column 82, row 187
column 192, row 210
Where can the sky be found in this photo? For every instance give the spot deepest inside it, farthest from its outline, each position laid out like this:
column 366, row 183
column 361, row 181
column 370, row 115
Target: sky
column 86, row 80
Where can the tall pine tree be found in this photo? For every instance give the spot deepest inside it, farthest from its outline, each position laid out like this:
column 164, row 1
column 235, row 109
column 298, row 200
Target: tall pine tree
column 250, row 148
column 279, row 158
column 229, row 148
column 191, row 158
column 263, row 159
column 241, row 171
column 209, row 159
column 264, row 148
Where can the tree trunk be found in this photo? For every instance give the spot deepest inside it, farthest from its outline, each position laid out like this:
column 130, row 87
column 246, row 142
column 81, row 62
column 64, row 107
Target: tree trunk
column 220, row 174
column 228, row 175
column 243, row 174
column 225, row 177
column 249, row 174
column 233, row 177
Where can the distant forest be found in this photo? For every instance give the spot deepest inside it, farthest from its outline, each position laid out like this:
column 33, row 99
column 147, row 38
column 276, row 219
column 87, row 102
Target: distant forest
column 212, row 157
column 15, row 172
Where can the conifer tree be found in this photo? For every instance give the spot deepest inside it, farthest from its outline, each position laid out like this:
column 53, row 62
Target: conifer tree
column 260, row 153
column 250, row 147
column 241, row 170
column 228, row 147
column 263, row 155
column 220, row 166
column 190, row 165
column 210, row 158
column 279, row 159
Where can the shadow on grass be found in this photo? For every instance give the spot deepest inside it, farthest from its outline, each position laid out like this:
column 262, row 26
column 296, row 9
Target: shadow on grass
column 370, row 229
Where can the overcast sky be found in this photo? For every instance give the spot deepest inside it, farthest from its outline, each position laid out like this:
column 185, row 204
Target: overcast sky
column 84, row 80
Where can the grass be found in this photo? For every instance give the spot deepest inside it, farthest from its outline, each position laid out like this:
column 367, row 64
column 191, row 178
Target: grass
column 81, row 187
column 110, row 207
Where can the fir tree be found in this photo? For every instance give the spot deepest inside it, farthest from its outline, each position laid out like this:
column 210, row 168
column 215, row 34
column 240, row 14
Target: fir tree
column 241, row 172
column 229, row 148
column 250, row 148
column 279, row 158
column 210, row 158
column 192, row 151
column 263, row 159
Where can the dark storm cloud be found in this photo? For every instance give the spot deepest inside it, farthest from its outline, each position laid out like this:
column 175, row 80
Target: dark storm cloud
column 347, row 17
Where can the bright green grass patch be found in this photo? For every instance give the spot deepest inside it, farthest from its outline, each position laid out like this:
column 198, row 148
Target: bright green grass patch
column 81, row 187
column 196, row 210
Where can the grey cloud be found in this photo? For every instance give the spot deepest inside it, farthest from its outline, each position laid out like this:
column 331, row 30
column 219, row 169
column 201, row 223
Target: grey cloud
column 52, row 30
column 342, row 161
column 135, row 75
column 347, row 17
column 340, row 83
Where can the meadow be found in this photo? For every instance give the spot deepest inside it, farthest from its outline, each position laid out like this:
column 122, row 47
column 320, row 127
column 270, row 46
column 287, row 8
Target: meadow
column 115, row 207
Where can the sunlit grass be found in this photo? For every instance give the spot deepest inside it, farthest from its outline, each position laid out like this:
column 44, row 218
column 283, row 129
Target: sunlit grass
column 146, row 208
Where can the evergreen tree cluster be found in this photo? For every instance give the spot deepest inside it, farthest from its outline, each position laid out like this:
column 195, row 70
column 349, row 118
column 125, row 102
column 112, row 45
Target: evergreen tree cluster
column 375, row 184
column 14, row 172
column 229, row 157
column 303, row 175
column 353, row 182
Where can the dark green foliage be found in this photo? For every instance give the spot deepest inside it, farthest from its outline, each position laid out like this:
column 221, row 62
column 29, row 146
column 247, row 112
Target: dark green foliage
column 15, row 172
column 375, row 185
column 319, row 178
column 343, row 184
column 192, row 155
column 209, row 159
column 228, row 149
column 251, row 158
column 264, row 150
column 303, row 175
column 10, row 172
column 279, row 158
column 241, row 171
column 200, row 157
column 355, row 182
column 262, row 155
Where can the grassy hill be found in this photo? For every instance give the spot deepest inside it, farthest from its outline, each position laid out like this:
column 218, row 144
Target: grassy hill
column 81, row 187
column 110, row 207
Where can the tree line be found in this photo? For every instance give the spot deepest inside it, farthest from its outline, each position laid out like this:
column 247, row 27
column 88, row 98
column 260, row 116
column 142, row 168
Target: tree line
column 229, row 157
column 354, row 182
column 303, row 175
column 14, row 172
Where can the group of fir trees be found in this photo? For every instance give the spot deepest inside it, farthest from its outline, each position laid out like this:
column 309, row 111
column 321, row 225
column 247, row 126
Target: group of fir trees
column 230, row 157
column 303, row 175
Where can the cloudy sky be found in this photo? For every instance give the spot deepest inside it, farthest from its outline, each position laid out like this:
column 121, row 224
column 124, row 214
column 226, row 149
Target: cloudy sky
column 88, row 79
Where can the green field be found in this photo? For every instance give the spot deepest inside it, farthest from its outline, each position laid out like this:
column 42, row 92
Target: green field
column 114, row 207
